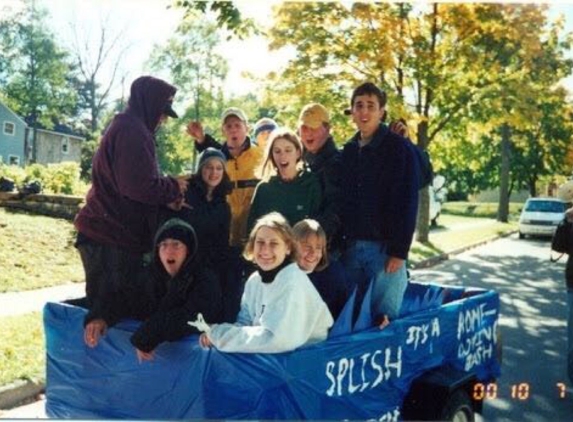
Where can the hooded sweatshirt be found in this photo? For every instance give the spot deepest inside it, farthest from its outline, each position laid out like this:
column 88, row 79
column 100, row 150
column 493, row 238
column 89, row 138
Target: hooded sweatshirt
column 296, row 199
column 126, row 185
column 172, row 301
column 165, row 303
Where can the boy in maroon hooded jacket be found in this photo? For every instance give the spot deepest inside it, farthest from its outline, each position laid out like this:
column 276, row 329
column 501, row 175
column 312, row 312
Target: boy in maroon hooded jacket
column 114, row 229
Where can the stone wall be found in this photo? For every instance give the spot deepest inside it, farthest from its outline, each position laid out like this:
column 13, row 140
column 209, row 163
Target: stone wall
column 61, row 206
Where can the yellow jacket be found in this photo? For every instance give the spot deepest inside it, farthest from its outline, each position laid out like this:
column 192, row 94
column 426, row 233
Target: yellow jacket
column 241, row 171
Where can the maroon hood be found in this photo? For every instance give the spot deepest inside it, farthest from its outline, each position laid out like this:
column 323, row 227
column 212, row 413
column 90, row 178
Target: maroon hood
column 148, row 99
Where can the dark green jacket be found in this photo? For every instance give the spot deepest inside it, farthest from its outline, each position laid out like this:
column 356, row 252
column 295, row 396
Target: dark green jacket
column 295, row 200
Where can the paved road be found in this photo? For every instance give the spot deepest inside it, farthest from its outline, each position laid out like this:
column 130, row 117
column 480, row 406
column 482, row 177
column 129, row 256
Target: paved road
column 533, row 311
column 19, row 303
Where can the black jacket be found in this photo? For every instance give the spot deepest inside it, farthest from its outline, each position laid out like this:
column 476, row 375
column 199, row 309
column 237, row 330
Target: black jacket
column 170, row 302
column 211, row 221
column 327, row 165
column 165, row 304
column 380, row 186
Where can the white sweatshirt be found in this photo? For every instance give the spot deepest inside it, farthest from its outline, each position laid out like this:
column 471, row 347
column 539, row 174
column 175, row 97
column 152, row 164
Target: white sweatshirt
column 275, row 317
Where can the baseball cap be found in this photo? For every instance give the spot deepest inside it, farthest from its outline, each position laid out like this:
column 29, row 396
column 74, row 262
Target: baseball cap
column 265, row 124
column 234, row 111
column 313, row 115
column 168, row 110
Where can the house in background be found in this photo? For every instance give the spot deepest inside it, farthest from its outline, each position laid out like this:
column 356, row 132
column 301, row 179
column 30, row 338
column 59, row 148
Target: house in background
column 55, row 146
column 52, row 146
column 13, row 132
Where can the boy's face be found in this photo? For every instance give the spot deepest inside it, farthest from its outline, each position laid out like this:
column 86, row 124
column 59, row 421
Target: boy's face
column 313, row 139
column 270, row 249
column 172, row 254
column 235, row 131
column 367, row 113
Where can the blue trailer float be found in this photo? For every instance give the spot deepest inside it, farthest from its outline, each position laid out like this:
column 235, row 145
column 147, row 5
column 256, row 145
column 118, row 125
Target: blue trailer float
column 425, row 365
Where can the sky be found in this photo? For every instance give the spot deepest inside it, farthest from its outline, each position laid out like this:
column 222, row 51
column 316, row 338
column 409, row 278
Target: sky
column 149, row 22
column 144, row 23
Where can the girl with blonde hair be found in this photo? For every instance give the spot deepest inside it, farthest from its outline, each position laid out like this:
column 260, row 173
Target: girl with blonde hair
column 280, row 308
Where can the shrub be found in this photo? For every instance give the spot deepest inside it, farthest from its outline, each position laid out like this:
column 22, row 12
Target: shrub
column 61, row 178
column 16, row 173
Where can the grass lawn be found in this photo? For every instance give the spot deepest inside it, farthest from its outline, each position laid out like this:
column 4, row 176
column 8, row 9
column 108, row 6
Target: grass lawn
column 36, row 251
column 22, row 351
column 481, row 209
column 454, row 232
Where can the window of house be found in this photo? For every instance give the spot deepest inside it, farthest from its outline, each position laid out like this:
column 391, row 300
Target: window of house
column 9, row 128
column 13, row 160
column 65, row 145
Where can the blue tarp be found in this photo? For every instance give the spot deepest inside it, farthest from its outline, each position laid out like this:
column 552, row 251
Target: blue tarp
column 359, row 376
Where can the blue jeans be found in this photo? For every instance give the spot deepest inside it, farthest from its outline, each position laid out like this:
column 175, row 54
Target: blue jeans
column 570, row 334
column 365, row 260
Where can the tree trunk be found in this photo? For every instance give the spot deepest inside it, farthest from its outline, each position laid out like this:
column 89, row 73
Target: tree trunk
column 423, row 221
column 503, row 210
column 532, row 188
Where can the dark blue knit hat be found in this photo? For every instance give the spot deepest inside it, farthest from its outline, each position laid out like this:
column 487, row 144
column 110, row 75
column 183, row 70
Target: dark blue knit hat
column 212, row 153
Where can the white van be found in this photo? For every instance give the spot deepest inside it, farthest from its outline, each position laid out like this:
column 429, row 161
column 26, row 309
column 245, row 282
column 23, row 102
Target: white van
column 540, row 216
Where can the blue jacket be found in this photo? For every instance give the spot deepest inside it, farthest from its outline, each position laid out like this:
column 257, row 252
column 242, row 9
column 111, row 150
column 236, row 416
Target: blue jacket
column 333, row 286
column 380, row 188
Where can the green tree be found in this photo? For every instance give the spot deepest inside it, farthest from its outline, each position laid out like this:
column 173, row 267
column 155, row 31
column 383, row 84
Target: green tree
column 228, row 15
column 35, row 72
column 198, row 72
column 435, row 61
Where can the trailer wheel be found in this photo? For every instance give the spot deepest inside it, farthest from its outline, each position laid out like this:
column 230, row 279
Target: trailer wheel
column 458, row 408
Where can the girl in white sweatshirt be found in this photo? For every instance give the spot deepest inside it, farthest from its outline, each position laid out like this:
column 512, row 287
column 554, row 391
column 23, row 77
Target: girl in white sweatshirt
column 280, row 309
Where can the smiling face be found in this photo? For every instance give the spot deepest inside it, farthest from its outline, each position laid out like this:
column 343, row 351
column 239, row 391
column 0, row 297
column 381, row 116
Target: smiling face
column 367, row 114
column 235, row 132
column 310, row 251
column 212, row 173
column 269, row 249
column 313, row 139
column 172, row 254
column 285, row 156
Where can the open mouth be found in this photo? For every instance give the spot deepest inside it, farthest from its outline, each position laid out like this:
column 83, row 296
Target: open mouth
column 171, row 261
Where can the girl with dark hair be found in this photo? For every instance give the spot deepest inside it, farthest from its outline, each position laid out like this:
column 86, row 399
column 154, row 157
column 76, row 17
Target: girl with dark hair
column 207, row 210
